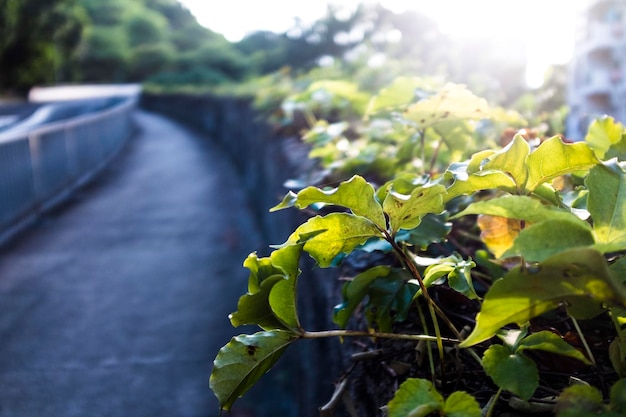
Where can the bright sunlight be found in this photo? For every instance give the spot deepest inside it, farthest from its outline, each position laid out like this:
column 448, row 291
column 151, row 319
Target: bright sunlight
column 541, row 32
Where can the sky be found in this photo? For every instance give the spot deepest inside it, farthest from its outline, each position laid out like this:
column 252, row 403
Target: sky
column 545, row 27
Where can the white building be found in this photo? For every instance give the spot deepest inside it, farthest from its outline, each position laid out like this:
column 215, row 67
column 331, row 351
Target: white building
column 597, row 84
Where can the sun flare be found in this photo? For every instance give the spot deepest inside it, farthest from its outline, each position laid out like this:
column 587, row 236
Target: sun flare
column 539, row 32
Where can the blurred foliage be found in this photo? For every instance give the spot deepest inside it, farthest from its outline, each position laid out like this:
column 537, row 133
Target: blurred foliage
column 95, row 41
column 37, row 38
column 160, row 43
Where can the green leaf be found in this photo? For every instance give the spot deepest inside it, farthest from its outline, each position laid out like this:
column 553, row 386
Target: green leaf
column 519, row 207
column 452, row 102
column 355, row 291
column 282, row 301
column 604, row 133
column 511, row 371
column 578, row 277
column 336, row 233
column 254, row 308
column 542, row 240
column 396, row 96
column 457, row 137
column 390, row 298
column 469, row 184
column 355, row 194
column 245, row 359
column 618, row 396
column 433, row 228
column 460, row 279
column 617, row 357
column 407, row 211
column 461, row 404
column 260, row 269
column 475, row 163
column 458, row 272
column 511, row 338
column 554, row 158
column 337, row 93
column 580, row 401
column 512, row 161
column 550, row 342
column 276, row 274
column 607, row 202
column 415, row 398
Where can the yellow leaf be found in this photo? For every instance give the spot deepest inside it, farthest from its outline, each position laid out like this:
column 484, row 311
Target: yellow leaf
column 498, row 233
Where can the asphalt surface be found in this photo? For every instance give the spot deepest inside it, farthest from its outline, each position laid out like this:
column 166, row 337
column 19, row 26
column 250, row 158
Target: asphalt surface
column 116, row 303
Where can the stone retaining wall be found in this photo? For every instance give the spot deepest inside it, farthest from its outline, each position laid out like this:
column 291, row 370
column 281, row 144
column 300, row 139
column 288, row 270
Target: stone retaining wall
column 266, row 160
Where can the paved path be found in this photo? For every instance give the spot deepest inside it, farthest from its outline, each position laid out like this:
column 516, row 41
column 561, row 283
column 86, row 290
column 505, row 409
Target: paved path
column 116, row 304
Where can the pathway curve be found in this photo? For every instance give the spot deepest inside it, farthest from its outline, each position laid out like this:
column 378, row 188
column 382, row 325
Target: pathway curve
column 116, row 304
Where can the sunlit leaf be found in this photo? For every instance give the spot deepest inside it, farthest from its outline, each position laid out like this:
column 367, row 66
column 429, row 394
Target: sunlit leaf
column 245, row 359
column 607, row 202
column 330, row 93
column 355, row 194
column 498, row 233
column 483, row 180
column 415, row 398
column 603, row 134
column 477, row 160
column 277, row 273
column 577, row 276
column 404, row 183
column 512, row 161
column 554, row 158
column 511, row 371
column 460, row 279
column 323, row 132
column 457, row 137
column 519, row 207
column 461, row 404
column 550, row 342
column 282, row 301
column 456, row 269
column 396, row 96
column 337, row 233
column 511, row 338
column 407, row 211
column 254, row 308
column 355, row 291
column 542, row 240
column 452, row 102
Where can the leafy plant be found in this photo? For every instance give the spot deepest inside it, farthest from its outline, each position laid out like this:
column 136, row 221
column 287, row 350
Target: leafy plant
column 550, row 256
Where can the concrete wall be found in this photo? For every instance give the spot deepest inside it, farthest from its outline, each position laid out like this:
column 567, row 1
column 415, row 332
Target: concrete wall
column 266, row 160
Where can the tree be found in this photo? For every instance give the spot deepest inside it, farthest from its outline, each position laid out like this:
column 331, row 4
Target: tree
column 37, row 40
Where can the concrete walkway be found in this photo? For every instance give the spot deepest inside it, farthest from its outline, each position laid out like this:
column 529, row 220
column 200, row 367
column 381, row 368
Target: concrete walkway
column 116, row 304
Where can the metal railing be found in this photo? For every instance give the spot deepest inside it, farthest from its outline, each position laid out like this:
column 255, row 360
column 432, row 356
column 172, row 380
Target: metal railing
column 41, row 167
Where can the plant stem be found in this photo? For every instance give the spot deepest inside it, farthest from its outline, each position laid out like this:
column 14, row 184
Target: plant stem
column 413, row 269
column 363, row 333
column 310, row 118
column 584, row 341
column 433, row 317
column 429, row 349
column 327, row 409
column 423, row 150
column 433, row 160
column 492, row 403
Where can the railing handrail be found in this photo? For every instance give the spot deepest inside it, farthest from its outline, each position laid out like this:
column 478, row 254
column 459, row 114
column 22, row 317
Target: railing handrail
column 40, row 167
column 10, row 136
